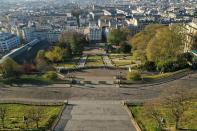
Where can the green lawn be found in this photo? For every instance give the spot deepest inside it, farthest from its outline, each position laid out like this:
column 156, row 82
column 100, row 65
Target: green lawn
column 16, row 112
column 163, row 75
column 30, row 79
column 120, row 59
column 121, row 62
column 156, row 77
column 27, row 79
column 94, row 61
column 69, row 63
column 189, row 120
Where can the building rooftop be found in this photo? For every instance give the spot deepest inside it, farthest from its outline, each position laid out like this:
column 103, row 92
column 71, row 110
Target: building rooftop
column 5, row 36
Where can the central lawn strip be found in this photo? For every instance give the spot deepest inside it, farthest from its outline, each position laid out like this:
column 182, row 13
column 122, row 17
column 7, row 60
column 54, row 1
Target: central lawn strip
column 94, row 61
column 69, row 63
column 146, row 123
column 120, row 59
column 14, row 117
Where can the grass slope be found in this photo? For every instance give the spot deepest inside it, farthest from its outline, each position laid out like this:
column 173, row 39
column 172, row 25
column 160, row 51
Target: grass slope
column 16, row 112
column 189, row 120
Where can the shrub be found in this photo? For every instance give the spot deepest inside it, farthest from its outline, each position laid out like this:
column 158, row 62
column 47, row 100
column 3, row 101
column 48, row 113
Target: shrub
column 150, row 66
column 125, row 47
column 134, row 75
column 51, row 75
column 102, row 82
column 194, row 64
column 169, row 66
column 185, row 57
column 87, row 82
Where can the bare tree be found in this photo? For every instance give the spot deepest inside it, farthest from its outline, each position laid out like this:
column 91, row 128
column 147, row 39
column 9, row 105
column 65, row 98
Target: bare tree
column 177, row 99
column 152, row 110
column 3, row 113
column 35, row 114
column 26, row 122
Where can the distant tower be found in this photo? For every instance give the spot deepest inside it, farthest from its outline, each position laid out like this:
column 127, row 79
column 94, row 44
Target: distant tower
column 93, row 7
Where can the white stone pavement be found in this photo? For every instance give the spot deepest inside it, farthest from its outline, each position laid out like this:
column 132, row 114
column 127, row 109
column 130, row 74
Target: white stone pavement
column 95, row 116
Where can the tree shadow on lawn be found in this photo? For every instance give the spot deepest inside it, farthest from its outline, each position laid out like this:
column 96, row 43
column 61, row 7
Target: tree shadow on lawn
column 30, row 81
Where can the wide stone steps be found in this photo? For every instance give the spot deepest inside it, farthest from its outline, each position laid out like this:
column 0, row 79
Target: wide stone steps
column 95, row 116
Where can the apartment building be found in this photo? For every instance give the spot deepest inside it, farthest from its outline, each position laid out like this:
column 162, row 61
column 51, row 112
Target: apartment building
column 8, row 41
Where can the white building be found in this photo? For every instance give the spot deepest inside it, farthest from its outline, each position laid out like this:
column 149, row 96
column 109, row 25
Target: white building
column 31, row 33
column 27, row 33
column 71, row 24
column 95, row 34
column 190, row 30
column 54, row 36
column 8, row 41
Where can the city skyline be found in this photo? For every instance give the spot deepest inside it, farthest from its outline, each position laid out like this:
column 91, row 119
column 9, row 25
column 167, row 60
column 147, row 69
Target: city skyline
column 98, row 65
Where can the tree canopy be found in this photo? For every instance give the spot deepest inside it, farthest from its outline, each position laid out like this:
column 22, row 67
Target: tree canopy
column 74, row 41
column 140, row 41
column 166, row 44
column 55, row 54
column 159, row 44
column 116, row 36
column 9, row 68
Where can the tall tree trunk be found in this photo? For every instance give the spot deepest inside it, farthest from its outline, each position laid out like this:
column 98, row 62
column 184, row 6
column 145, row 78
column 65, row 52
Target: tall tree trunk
column 3, row 123
column 176, row 125
column 37, row 124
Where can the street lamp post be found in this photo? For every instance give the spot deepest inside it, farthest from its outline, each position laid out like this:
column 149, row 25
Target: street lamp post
column 120, row 75
column 71, row 77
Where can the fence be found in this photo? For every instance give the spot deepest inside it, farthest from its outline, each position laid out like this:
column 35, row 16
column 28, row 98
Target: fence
column 35, row 102
column 65, row 70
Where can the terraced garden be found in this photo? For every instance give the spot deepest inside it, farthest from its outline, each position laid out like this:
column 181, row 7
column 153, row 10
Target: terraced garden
column 94, row 60
column 146, row 123
column 120, row 59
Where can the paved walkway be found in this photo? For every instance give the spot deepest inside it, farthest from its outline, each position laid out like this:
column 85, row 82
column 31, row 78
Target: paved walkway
column 95, row 116
column 107, row 60
column 82, row 61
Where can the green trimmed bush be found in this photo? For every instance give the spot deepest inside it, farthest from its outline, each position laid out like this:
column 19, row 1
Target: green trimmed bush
column 51, row 75
column 150, row 66
column 134, row 75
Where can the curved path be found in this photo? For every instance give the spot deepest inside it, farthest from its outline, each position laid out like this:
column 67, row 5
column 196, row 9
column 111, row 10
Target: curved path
column 100, row 92
column 83, row 102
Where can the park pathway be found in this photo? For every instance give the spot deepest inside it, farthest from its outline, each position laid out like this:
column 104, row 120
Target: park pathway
column 95, row 116
column 82, row 61
column 107, row 60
